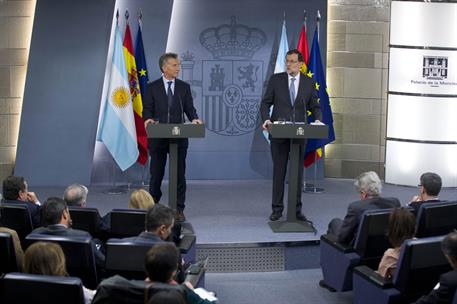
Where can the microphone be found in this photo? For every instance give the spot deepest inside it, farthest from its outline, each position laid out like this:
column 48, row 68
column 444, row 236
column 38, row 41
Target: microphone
column 183, row 119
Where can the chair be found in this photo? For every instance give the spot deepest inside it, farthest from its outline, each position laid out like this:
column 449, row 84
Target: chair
column 419, row 267
column 33, row 288
column 87, row 219
column 118, row 290
column 16, row 217
column 127, row 222
column 337, row 260
column 8, row 261
column 436, row 219
column 188, row 248
column 125, row 259
column 79, row 256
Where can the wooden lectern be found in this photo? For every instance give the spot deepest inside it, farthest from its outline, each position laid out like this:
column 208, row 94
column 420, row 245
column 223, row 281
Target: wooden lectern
column 173, row 132
column 295, row 132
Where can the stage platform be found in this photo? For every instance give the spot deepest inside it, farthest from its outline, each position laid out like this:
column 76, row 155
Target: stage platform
column 230, row 219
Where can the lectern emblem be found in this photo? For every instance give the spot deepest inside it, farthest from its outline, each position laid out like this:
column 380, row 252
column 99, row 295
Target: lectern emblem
column 176, row 131
column 300, row 131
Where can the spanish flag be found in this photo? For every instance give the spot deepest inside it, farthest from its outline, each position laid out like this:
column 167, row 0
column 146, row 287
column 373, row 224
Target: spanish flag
column 130, row 64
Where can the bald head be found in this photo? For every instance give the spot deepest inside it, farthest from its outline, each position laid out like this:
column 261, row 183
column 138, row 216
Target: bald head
column 76, row 195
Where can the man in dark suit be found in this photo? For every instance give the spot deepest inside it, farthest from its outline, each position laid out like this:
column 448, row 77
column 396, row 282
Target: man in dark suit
column 166, row 101
column 444, row 293
column 15, row 191
column 429, row 188
column 369, row 187
column 57, row 221
column 291, row 94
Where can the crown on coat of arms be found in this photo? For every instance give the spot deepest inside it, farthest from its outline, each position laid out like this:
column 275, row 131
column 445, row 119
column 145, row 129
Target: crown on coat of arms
column 233, row 40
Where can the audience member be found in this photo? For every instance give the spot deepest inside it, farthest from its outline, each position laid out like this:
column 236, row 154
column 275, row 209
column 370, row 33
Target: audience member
column 369, row 187
column 402, row 224
column 47, row 258
column 167, row 297
column 161, row 264
column 57, row 221
column 141, row 199
column 429, row 188
column 15, row 191
column 16, row 242
column 444, row 292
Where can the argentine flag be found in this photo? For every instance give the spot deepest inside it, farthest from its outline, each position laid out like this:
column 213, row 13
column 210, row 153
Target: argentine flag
column 117, row 124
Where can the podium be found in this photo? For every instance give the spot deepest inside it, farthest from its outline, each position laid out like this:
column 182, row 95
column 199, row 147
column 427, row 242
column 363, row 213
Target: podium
column 296, row 133
column 174, row 132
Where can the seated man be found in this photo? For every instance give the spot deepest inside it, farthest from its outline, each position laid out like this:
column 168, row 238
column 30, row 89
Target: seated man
column 15, row 191
column 57, row 221
column 76, row 195
column 368, row 185
column 161, row 264
column 444, row 292
column 429, row 188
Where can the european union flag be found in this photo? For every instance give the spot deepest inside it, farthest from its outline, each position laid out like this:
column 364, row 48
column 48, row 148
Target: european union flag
column 141, row 66
column 316, row 71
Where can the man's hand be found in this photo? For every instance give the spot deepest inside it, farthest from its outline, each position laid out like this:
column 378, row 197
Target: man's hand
column 148, row 122
column 189, row 285
column 266, row 124
column 31, row 197
column 197, row 121
column 416, row 198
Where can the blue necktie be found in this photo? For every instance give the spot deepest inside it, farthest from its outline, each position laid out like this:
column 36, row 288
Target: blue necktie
column 292, row 90
column 169, row 94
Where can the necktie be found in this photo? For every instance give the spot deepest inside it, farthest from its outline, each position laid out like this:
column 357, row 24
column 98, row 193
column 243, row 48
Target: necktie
column 292, row 90
column 169, row 94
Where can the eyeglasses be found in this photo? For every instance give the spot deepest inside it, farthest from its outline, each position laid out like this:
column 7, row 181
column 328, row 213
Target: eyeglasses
column 291, row 61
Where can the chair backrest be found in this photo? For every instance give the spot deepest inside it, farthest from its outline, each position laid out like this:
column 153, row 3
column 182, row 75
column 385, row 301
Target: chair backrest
column 118, row 290
column 8, row 261
column 125, row 259
column 371, row 239
column 438, row 218
column 127, row 222
column 419, row 267
column 32, row 288
column 87, row 219
column 79, row 256
column 16, row 217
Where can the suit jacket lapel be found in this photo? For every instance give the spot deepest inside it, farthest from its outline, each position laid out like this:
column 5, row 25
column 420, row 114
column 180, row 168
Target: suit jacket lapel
column 162, row 92
column 301, row 88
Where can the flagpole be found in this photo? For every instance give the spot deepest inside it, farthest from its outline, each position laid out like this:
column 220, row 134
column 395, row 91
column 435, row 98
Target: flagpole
column 143, row 171
column 312, row 187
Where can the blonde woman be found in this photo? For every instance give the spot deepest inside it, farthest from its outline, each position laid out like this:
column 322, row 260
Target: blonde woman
column 47, row 258
column 141, row 199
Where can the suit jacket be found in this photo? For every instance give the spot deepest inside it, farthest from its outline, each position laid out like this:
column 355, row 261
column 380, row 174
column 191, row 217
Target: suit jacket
column 351, row 221
column 444, row 293
column 61, row 230
column 33, row 209
column 417, row 205
column 277, row 95
column 144, row 238
column 155, row 106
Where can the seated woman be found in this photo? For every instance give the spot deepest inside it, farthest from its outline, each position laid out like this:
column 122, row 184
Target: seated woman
column 402, row 224
column 47, row 258
column 161, row 264
column 141, row 199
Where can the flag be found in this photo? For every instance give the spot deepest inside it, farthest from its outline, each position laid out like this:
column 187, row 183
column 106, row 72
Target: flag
column 117, row 125
column 303, row 48
column 141, row 137
column 141, row 65
column 280, row 65
column 316, row 71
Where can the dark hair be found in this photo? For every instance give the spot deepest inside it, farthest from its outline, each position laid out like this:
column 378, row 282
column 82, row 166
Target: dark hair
column 161, row 261
column 12, row 185
column 157, row 216
column 52, row 210
column 164, row 58
column 449, row 245
column 167, row 297
column 402, row 224
column 431, row 183
column 295, row 51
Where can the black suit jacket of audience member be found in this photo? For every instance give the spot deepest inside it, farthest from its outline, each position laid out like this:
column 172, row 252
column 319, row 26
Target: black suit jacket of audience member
column 417, row 205
column 353, row 217
column 61, row 230
column 33, row 209
column 144, row 238
column 444, row 293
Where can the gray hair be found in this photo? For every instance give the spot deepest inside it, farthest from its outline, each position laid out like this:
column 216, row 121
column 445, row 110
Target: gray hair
column 368, row 182
column 75, row 195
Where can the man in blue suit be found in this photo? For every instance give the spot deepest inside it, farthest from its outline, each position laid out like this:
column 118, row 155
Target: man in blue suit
column 166, row 101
